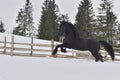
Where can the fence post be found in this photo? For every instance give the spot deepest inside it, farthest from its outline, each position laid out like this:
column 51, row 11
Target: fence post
column 52, row 45
column 89, row 56
column 4, row 45
column 73, row 53
column 12, row 45
column 31, row 46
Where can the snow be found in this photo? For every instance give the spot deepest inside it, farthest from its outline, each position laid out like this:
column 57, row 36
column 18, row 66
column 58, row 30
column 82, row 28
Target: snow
column 49, row 68
column 29, row 68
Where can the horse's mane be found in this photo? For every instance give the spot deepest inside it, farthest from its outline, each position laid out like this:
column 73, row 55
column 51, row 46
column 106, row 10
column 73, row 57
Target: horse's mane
column 71, row 26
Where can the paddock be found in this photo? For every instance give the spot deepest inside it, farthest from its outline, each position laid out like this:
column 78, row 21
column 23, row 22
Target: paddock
column 33, row 49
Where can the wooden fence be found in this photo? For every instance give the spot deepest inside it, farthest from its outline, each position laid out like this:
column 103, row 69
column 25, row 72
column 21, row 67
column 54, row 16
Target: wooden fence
column 12, row 49
column 4, row 48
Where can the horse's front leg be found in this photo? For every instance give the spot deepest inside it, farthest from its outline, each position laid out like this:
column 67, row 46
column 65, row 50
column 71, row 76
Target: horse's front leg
column 64, row 46
column 63, row 49
column 55, row 50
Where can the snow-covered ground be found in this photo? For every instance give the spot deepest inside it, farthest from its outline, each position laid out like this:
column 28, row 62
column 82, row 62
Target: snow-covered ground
column 49, row 68
column 29, row 68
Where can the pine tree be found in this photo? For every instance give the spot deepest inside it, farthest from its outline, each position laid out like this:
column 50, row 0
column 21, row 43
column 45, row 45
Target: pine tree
column 85, row 19
column 30, row 29
column 20, row 29
column 107, row 21
column 44, row 28
column 2, row 27
column 48, row 27
column 25, row 21
column 118, row 36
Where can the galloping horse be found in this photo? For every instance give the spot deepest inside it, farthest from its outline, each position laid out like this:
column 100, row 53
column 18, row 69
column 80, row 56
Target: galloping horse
column 72, row 40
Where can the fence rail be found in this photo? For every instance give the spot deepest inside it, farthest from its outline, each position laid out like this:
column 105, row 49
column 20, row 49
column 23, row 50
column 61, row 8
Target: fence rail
column 12, row 49
column 31, row 45
column 18, row 49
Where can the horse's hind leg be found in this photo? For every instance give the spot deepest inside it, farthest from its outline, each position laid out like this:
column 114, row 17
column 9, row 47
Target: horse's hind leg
column 97, row 57
column 101, row 57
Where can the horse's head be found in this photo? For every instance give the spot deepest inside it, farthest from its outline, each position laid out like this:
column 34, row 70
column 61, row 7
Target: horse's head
column 68, row 28
column 62, row 28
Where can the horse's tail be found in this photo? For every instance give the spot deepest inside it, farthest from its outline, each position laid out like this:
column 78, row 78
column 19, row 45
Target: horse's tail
column 109, row 49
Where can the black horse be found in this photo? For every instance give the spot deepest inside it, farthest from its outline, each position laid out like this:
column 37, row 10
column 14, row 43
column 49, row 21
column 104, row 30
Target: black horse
column 72, row 40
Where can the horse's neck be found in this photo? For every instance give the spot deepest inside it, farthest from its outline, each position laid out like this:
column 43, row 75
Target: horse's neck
column 69, row 35
column 76, row 33
column 72, row 32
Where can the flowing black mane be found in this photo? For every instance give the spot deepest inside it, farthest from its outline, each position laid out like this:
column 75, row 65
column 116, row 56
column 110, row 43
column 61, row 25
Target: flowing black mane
column 71, row 26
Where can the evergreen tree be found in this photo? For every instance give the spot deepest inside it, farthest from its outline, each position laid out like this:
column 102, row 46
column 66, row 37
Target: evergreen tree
column 118, row 36
column 20, row 29
column 2, row 27
column 85, row 19
column 25, row 21
column 107, row 21
column 48, row 27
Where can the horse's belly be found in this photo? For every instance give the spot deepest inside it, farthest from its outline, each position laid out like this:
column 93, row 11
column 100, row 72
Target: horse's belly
column 81, row 47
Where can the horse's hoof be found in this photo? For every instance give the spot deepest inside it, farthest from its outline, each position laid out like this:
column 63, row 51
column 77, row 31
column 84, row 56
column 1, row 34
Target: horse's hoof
column 101, row 60
column 64, row 50
column 53, row 55
column 97, row 60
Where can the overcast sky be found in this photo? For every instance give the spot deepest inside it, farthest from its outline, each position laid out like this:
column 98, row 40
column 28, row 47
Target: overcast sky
column 9, row 10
